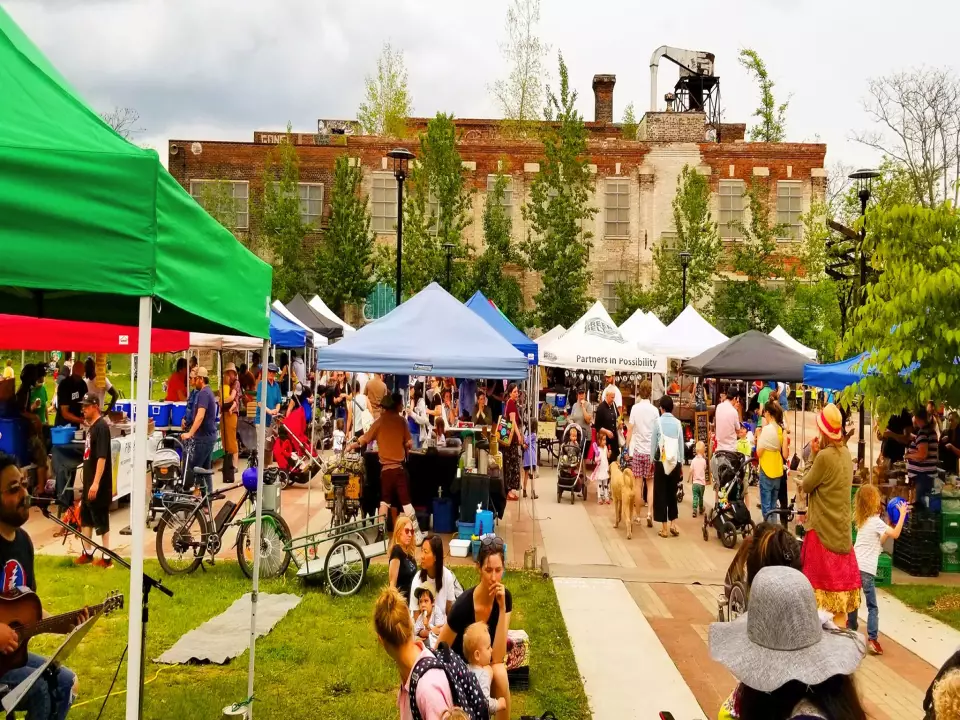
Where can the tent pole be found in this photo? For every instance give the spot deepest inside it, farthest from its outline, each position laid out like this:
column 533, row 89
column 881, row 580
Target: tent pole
column 803, row 425
column 313, row 431
column 261, row 452
column 138, row 516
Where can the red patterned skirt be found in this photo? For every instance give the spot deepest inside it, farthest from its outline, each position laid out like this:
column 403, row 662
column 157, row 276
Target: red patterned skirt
column 835, row 576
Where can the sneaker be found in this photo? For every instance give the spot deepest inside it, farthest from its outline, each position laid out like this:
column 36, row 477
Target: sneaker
column 874, row 647
column 84, row 559
column 649, row 521
column 103, row 562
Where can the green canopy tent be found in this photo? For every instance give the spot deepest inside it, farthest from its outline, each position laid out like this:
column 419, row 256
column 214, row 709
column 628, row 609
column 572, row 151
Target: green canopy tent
column 94, row 228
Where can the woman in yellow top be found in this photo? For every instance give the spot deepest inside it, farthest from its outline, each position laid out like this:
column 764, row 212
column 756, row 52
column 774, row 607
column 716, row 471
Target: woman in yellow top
column 827, row 553
column 770, row 454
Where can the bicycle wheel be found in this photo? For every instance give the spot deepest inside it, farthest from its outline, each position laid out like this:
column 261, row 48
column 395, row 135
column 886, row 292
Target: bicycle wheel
column 182, row 539
column 274, row 536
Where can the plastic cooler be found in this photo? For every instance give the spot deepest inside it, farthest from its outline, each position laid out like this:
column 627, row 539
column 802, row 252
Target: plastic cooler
column 178, row 411
column 13, row 439
column 127, row 407
column 62, row 435
column 443, row 520
column 160, row 414
column 485, row 522
column 561, row 401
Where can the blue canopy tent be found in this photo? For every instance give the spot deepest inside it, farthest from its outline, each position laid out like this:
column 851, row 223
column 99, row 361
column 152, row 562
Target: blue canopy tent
column 432, row 333
column 284, row 333
column 492, row 315
column 834, row 376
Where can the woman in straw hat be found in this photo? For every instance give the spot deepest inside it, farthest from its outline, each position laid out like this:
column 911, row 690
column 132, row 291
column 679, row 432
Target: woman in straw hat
column 790, row 663
column 828, row 558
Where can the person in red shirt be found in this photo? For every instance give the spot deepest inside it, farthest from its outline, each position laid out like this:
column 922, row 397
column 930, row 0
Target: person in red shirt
column 177, row 384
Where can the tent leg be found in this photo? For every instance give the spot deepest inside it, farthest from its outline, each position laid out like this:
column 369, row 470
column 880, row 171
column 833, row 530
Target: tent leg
column 803, row 413
column 138, row 517
column 313, row 435
column 261, row 459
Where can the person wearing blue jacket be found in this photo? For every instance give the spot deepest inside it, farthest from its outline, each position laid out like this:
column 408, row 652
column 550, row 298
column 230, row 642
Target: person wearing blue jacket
column 667, row 446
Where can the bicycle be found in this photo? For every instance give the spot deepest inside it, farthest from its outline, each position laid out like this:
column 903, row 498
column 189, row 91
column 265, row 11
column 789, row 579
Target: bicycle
column 187, row 531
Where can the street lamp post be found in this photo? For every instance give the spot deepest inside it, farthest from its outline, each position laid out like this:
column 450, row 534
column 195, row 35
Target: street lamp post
column 401, row 158
column 684, row 263
column 448, row 247
column 864, row 179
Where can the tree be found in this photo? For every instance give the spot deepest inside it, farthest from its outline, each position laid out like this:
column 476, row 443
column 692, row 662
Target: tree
column 216, row 197
column 488, row 274
column 279, row 222
column 520, row 94
column 753, row 303
column 557, row 246
column 772, row 117
column 125, row 121
column 436, row 210
column 629, row 125
column 697, row 234
column 387, row 105
column 343, row 260
column 907, row 322
column 918, row 115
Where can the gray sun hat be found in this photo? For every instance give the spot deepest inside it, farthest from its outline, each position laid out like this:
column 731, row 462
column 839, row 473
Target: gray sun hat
column 781, row 637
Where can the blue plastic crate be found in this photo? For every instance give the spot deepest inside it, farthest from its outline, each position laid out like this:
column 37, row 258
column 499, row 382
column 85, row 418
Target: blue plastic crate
column 475, row 548
column 465, row 531
column 13, row 439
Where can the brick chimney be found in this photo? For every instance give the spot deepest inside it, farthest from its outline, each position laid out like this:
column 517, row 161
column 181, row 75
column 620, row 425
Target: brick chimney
column 603, row 97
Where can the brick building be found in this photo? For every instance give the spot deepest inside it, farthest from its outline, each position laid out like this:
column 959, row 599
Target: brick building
column 635, row 179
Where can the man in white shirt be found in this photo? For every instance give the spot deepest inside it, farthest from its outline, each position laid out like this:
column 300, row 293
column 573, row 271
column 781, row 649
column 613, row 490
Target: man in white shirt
column 643, row 417
column 611, row 385
column 299, row 371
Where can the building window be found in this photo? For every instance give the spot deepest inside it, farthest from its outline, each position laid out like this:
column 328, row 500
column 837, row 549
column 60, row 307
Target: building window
column 789, row 209
column 311, row 203
column 730, row 195
column 671, row 240
column 612, row 278
column 507, row 189
column 384, row 201
column 617, row 208
column 214, row 196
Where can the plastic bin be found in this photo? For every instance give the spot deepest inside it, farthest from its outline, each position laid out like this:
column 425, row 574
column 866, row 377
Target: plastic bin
column 884, row 571
column 178, row 411
column 465, row 530
column 13, row 439
column 62, row 435
column 950, row 526
column 443, row 520
column 160, row 414
column 127, row 407
column 485, row 522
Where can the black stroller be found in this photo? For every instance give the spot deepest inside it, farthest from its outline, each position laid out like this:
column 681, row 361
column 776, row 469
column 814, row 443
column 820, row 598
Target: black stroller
column 730, row 516
column 570, row 467
column 168, row 471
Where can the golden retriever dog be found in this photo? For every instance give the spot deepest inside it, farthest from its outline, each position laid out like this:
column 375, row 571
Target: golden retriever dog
column 622, row 487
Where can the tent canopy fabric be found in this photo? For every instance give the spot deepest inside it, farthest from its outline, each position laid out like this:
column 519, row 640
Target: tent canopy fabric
column 492, row 315
column 302, row 310
column 23, row 333
column 209, row 341
column 641, row 326
column 684, row 338
column 834, row 376
column 432, row 333
column 778, row 333
column 550, row 335
column 321, row 307
column 314, row 338
column 285, row 333
column 752, row 355
column 69, row 183
column 593, row 342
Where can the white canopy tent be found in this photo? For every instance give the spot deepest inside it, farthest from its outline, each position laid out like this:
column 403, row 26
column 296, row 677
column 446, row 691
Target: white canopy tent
column 550, row 335
column 206, row 341
column 321, row 307
column 318, row 339
column 594, row 343
column 778, row 333
column 641, row 325
column 684, row 338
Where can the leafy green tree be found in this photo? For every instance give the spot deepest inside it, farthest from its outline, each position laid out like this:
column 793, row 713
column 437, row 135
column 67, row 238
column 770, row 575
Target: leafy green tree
column 909, row 315
column 770, row 115
column 755, row 302
column 629, row 125
column 557, row 246
column 342, row 262
column 216, row 197
column 279, row 224
column 488, row 274
column 520, row 94
column 387, row 105
column 436, row 210
column 633, row 296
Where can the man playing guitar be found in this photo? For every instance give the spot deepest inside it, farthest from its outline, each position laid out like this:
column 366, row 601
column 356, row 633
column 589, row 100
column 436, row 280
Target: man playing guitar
column 16, row 571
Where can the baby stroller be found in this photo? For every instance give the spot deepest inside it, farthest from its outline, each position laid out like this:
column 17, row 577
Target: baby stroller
column 570, row 467
column 730, row 515
column 298, row 462
column 169, row 473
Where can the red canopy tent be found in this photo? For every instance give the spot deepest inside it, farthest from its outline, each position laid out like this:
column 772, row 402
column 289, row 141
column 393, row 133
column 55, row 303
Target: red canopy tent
column 26, row 333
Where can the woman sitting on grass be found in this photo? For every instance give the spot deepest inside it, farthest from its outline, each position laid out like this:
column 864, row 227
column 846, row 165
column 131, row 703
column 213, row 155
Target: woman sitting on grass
column 446, row 588
column 489, row 602
column 403, row 562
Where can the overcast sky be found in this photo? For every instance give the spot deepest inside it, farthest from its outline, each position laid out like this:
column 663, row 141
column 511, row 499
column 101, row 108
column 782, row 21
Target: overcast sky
column 219, row 69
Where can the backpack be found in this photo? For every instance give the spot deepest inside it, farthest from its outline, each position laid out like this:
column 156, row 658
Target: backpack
column 465, row 689
column 668, row 450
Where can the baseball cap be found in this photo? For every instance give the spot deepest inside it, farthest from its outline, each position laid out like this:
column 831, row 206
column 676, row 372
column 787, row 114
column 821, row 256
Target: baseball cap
column 90, row 399
column 199, row 371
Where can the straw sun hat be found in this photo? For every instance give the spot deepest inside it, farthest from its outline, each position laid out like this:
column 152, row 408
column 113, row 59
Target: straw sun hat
column 830, row 422
column 781, row 637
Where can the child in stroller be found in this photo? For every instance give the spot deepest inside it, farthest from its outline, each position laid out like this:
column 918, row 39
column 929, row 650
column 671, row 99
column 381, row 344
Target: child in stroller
column 729, row 515
column 570, row 465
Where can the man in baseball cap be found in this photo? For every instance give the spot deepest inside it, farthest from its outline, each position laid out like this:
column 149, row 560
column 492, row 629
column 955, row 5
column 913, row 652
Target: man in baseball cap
column 610, row 376
column 274, row 396
column 203, row 428
column 97, row 481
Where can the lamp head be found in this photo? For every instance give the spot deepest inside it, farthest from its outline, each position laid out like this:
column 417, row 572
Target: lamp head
column 685, row 258
column 401, row 158
column 864, row 178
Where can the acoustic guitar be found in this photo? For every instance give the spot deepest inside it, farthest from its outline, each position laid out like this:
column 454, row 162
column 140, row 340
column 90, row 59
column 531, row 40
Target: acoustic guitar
column 24, row 614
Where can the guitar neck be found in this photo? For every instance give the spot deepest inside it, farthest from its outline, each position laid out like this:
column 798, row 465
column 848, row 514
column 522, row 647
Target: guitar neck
column 58, row 624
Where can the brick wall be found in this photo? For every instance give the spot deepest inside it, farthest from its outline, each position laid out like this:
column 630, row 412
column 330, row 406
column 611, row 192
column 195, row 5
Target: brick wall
column 671, row 127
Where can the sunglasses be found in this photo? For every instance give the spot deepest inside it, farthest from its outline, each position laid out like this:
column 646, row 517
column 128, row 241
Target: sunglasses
column 494, row 541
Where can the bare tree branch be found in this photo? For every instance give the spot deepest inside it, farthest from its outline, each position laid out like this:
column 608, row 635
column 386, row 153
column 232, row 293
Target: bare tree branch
column 125, row 121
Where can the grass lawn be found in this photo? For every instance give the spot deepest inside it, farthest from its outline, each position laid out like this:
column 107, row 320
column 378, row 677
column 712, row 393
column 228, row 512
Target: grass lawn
column 321, row 660
column 938, row 601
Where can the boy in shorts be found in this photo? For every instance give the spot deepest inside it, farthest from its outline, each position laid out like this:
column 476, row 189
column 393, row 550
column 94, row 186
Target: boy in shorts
column 97, row 481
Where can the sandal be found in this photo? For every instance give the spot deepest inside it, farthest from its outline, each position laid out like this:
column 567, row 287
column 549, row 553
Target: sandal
column 674, row 532
column 663, row 534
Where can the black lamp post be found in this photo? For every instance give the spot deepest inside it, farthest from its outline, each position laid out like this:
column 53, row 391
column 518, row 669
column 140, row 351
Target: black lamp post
column 448, row 247
column 864, row 179
column 401, row 158
column 684, row 263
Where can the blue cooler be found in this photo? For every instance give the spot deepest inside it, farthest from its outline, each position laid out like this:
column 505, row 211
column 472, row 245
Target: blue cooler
column 443, row 515
column 127, row 407
column 561, row 401
column 160, row 414
column 13, row 439
column 484, row 522
column 178, row 411
column 61, row 435
column 552, row 399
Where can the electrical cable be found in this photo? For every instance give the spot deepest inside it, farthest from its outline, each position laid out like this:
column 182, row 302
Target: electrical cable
column 118, row 692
